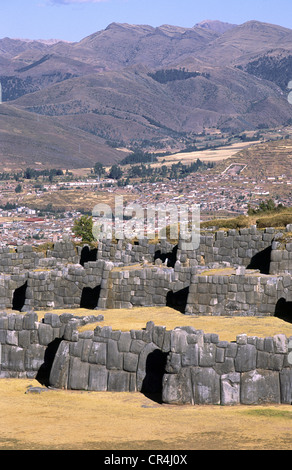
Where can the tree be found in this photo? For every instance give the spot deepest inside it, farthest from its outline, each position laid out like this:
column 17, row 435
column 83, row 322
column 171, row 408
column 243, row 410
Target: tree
column 82, row 228
column 18, row 188
column 115, row 172
column 98, row 169
column 28, row 173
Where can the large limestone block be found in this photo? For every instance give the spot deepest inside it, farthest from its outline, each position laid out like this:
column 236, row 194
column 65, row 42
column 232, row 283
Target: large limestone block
column 60, row 368
column 177, row 388
column 206, row 386
column 98, row 376
column 78, row 376
column 259, row 387
column 230, row 389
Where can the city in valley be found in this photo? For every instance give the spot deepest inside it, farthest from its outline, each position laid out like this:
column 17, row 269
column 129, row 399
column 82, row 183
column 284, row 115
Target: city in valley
column 38, row 207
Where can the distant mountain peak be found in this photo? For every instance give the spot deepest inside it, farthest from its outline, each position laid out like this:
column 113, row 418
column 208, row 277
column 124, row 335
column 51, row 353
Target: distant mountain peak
column 127, row 26
column 216, row 25
column 48, row 42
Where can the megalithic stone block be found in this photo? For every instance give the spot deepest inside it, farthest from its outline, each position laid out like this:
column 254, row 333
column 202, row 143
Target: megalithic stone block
column 260, row 387
column 78, row 375
column 230, row 389
column 59, row 372
column 286, row 386
column 98, row 377
column 206, row 386
column 177, row 388
column 118, row 381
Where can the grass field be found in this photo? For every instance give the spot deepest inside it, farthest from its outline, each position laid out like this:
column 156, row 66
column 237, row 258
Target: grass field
column 67, row 420
column 226, row 327
column 211, row 155
column 63, row 420
column 74, row 199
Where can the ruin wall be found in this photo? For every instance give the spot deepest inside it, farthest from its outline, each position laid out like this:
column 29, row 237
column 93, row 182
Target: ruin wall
column 249, row 294
column 184, row 365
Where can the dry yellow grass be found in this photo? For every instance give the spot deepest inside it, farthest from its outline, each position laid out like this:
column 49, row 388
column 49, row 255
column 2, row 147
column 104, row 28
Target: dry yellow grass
column 74, row 199
column 226, row 327
column 130, row 421
column 212, row 155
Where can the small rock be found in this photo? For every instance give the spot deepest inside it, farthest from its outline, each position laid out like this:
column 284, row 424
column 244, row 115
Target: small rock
column 36, row 390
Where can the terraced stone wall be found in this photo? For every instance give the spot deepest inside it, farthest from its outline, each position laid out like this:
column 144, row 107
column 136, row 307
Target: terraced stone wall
column 246, row 294
column 28, row 346
column 181, row 366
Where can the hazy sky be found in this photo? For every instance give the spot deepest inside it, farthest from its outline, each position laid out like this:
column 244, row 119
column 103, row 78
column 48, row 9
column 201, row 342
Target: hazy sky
column 72, row 20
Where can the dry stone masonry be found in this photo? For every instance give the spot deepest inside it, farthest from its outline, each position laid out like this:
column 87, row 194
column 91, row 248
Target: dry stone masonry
column 244, row 272
column 183, row 366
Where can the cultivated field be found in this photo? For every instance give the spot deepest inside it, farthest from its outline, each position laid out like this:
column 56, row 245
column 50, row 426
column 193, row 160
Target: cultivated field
column 73, row 199
column 212, row 155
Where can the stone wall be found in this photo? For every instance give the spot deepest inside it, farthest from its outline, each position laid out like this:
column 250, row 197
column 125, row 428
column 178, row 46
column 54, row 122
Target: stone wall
column 24, row 258
column 73, row 286
column 243, row 247
column 27, row 346
column 203, row 370
column 281, row 254
column 246, row 247
column 68, row 286
column 185, row 365
column 148, row 286
column 126, row 274
column 128, row 253
column 247, row 294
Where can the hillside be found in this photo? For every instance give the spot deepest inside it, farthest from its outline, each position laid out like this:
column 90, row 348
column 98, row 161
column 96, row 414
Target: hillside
column 268, row 159
column 131, row 105
column 231, row 77
column 244, row 41
column 27, row 139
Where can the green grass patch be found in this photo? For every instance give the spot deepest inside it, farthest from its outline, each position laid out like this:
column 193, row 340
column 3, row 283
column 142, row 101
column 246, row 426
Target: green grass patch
column 269, row 413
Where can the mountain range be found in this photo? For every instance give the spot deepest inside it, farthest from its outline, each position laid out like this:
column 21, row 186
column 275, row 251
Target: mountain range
column 137, row 85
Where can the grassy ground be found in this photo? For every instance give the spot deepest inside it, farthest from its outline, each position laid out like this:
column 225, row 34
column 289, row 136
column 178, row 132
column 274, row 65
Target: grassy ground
column 130, row 421
column 226, row 327
column 74, row 199
column 211, row 155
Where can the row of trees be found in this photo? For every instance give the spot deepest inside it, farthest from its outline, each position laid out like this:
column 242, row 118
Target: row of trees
column 170, row 75
column 175, row 171
column 266, row 206
column 139, row 157
column 31, row 173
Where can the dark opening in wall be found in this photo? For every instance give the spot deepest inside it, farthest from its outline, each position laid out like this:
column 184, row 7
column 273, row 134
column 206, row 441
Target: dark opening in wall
column 178, row 300
column 170, row 257
column 283, row 310
column 155, row 370
column 19, row 297
column 88, row 255
column 44, row 371
column 261, row 261
column 90, row 297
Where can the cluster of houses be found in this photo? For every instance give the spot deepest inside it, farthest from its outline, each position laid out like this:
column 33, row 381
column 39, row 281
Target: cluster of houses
column 216, row 194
